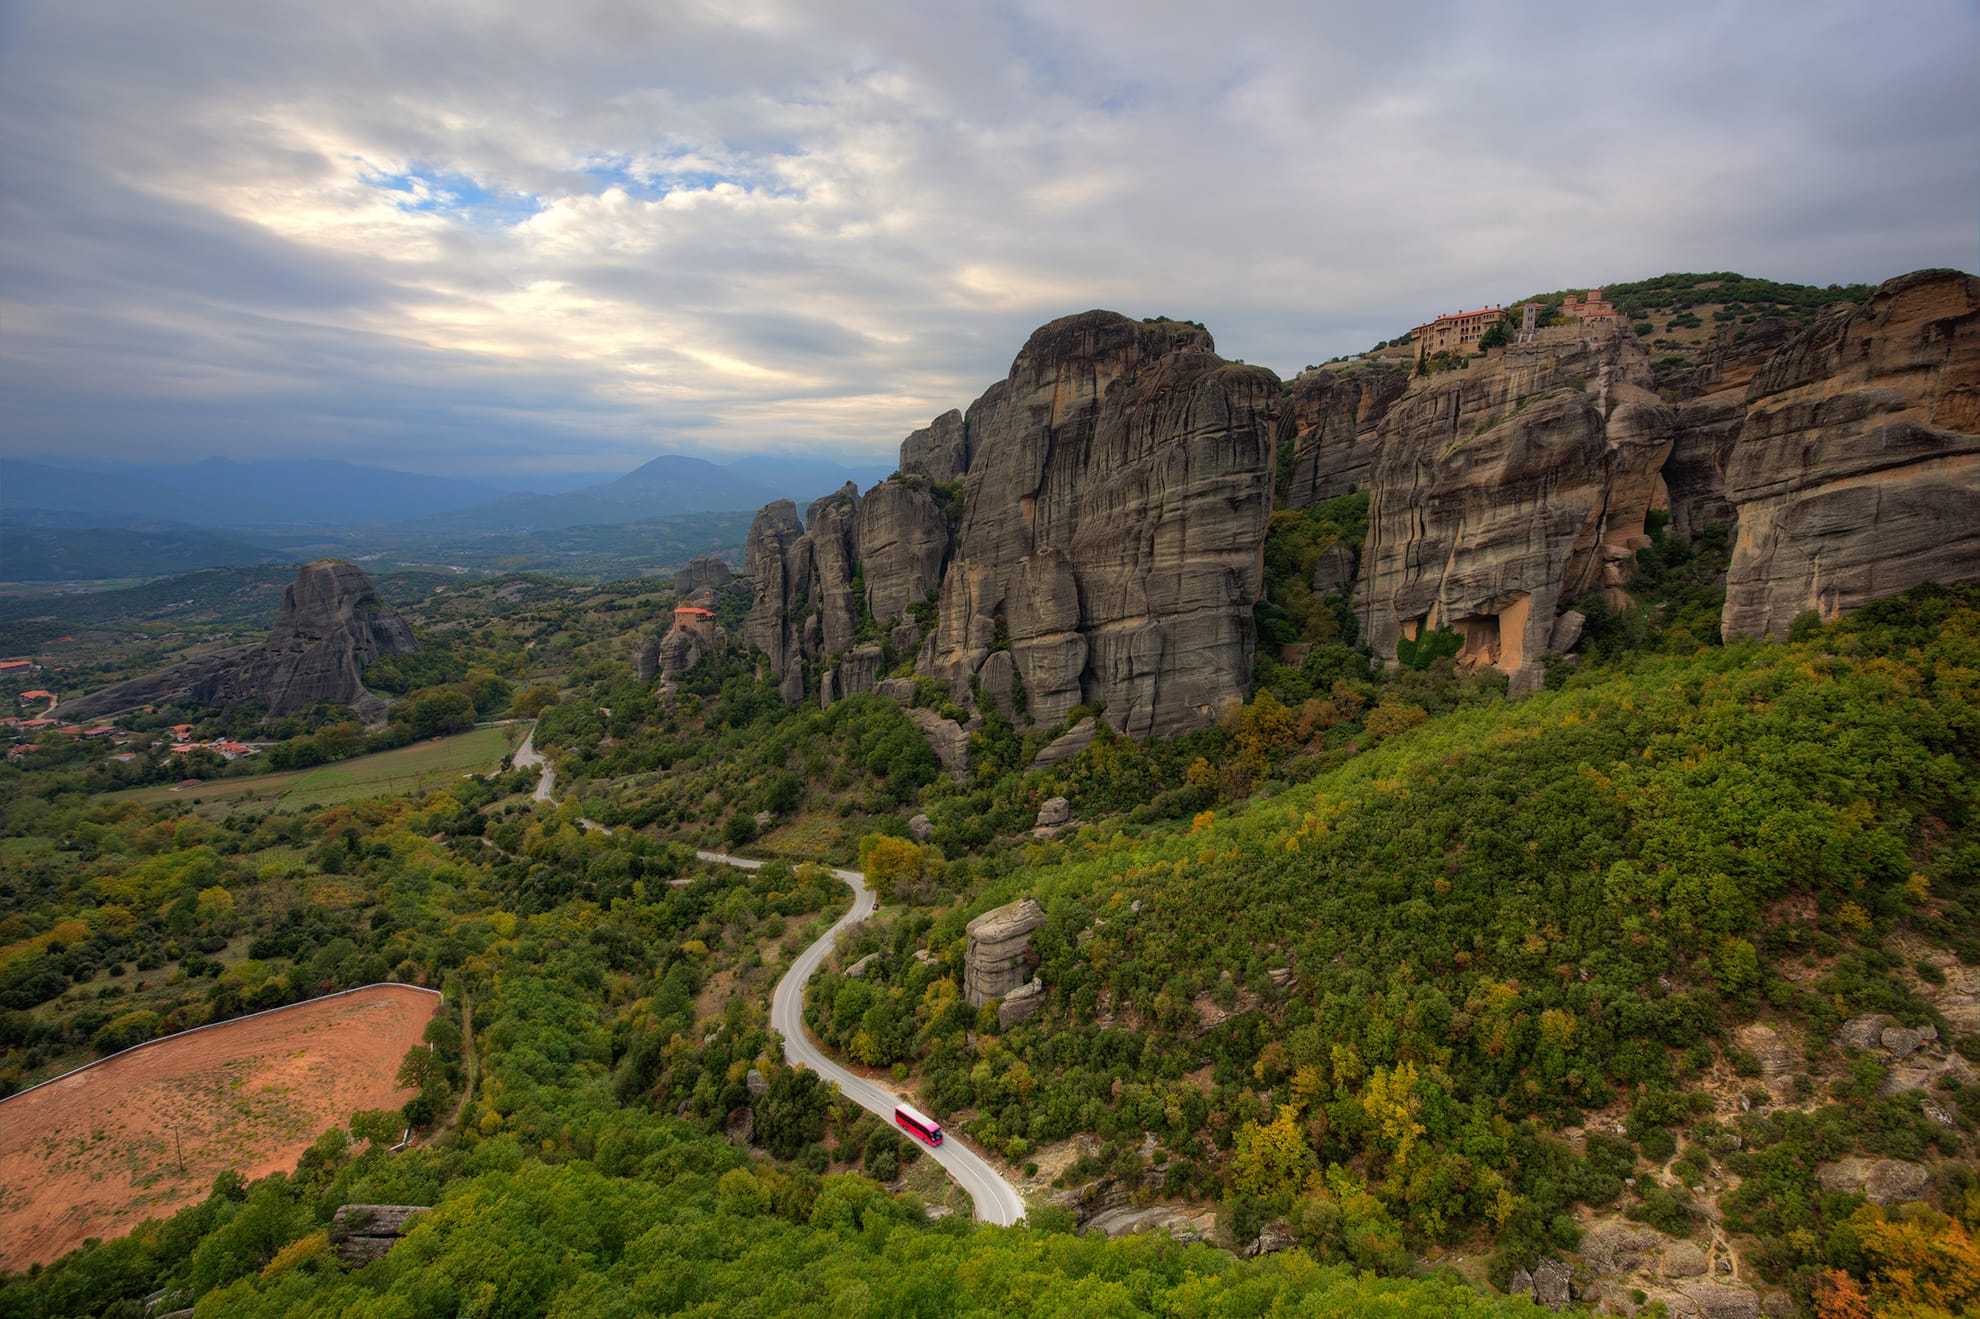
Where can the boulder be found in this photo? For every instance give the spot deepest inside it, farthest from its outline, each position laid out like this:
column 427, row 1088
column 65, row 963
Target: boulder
column 1864, row 1032
column 1069, row 743
column 756, row 1084
column 1566, row 631
column 1021, row 1004
column 859, row 671
column 331, row 624
column 1333, row 571
column 857, row 971
column 921, row 828
column 948, row 739
column 1764, row 1043
column 995, row 959
column 1054, row 810
column 1899, row 1042
column 1614, row 1248
column 1857, row 470
column 1880, row 1181
column 1552, row 1284
column 1682, row 1259
column 363, row 1233
column 1719, row 1300
column 1275, row 1236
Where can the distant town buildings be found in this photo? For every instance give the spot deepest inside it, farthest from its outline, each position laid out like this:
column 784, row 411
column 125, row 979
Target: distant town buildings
column 1458, row 332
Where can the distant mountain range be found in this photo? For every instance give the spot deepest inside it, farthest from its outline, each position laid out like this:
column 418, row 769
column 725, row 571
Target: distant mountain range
column 62, row 523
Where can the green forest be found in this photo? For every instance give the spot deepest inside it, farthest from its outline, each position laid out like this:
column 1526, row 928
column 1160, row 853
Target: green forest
column 1424, row 982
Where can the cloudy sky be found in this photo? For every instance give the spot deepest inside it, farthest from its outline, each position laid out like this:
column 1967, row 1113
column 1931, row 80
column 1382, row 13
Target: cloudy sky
column 477, row 235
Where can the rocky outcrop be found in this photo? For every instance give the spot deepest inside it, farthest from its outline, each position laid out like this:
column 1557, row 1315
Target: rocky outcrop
column 778, row 558
column 1067, row 744
column 331, row 625
column 828, row 527
column 1021, row 1004
column 1114, row 509
column 1501, row 492
column 1880, row 1181
column 1332, row 424
column 1857, row 469
column 902, row 539
column 996, row 957
column 363, row 1233
column 940, row 452
column 707, row 573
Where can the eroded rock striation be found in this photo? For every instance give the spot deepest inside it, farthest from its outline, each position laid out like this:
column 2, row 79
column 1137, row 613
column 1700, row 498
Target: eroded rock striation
column 1501, row 492
column 1857, row 469
column 1332, row 424
column 331, row 625
column 996, row 959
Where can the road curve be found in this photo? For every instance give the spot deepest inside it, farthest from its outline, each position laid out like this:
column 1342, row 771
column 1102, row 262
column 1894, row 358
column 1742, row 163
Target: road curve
column 997, row 1201
column 525, row 756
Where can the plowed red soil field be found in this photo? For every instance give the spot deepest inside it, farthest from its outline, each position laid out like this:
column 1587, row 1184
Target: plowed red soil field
column 97, row 1152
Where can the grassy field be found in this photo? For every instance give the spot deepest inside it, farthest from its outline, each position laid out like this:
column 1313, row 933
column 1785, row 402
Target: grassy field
column 417, row 768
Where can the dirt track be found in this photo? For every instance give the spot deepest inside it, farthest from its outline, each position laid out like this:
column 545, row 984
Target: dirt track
column 96, row 1153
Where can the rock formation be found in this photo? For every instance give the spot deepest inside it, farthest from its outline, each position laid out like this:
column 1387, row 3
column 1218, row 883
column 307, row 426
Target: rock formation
column 330, row 626
column 1114, row 508
column 1500, row 492
column 1332, row 424
column 1857, row 469
column 995, row 960
column 363, row 1233
column 706, row 573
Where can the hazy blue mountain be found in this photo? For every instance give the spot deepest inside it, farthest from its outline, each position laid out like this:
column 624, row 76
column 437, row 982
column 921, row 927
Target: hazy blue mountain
column 37, row 551
column 669, row 485
column 320, row 490
column 223, row 493
column 99, row 498
column 802, row 480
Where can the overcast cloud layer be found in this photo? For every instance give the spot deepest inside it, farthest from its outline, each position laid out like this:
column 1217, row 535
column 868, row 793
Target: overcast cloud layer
column 460, row 235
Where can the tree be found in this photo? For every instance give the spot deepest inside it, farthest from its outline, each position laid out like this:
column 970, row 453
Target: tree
column 1271, row 1158
column 416, row 1068
column 888, row 862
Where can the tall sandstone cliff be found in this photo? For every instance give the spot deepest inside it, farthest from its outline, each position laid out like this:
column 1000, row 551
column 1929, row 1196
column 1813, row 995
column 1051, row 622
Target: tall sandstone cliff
column 331, row 625
column 1857, row 469
column 1500, row 492
column 1116, row 488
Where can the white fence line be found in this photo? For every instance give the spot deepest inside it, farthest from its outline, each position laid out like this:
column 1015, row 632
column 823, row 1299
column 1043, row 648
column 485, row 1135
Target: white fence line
column 214, row 1025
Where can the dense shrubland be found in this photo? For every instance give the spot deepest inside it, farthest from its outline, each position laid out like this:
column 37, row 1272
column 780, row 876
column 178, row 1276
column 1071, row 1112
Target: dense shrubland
column 1490, row 927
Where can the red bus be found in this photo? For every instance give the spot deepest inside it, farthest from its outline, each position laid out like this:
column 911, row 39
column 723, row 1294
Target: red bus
column 918, row 1123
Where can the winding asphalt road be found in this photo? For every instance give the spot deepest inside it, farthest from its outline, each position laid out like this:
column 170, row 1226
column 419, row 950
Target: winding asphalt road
column 997, row 1201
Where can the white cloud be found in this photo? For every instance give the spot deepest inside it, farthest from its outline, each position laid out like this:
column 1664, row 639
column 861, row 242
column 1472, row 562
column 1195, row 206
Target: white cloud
column 474, row 232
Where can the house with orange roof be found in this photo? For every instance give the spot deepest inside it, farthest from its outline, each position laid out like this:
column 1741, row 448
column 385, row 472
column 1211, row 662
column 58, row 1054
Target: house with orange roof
column 37, row 695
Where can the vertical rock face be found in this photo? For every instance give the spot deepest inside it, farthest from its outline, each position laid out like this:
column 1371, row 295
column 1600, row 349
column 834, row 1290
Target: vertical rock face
column 330, row 626
column 994, row 959
column 1332, row 425
column 902, row 538
column 1857, row 469
column 829, row 526
column 1502, row 491
column 1708, row 421
column 778, row 560
column 941, row 452
column 706, row 573
column 1115, row 509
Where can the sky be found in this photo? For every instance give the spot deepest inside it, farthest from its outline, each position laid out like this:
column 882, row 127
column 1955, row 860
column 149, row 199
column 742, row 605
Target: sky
column 476, row 236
